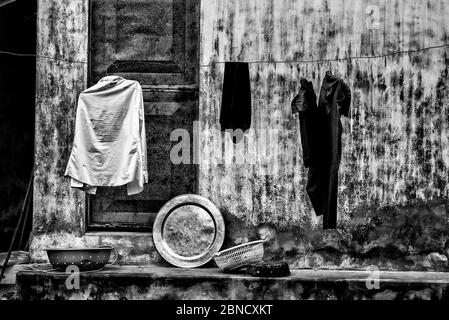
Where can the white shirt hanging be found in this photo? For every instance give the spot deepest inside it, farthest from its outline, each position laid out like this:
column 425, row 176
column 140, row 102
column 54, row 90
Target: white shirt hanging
column 109, row 148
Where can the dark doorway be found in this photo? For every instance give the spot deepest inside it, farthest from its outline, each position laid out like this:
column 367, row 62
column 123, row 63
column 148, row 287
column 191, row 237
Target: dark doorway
column 17, row 97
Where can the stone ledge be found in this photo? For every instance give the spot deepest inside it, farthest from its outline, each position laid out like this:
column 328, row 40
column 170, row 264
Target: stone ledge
column 145, row 282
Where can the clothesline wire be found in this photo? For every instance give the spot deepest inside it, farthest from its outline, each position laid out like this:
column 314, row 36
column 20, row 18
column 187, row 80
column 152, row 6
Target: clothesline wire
column 335, row 59
column 402, row 52
column 39, row 56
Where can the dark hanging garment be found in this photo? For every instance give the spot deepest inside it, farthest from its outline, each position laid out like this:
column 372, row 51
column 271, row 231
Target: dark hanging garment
column 236, row 100
column 305, row 105
column 334, row 101
column 323, row 133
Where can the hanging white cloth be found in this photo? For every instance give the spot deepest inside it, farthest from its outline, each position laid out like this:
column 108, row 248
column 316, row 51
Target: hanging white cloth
column 109, row 148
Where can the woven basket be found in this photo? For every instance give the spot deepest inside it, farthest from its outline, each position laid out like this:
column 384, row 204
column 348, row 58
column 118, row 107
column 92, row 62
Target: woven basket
column 240, row 255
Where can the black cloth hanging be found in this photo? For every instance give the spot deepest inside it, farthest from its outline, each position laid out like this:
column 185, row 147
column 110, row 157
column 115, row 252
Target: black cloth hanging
column 321, row 132
column 236, row 100
column 305, row 104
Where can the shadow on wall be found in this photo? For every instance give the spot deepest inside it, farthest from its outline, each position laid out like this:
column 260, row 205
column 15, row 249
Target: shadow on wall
column 17, row 89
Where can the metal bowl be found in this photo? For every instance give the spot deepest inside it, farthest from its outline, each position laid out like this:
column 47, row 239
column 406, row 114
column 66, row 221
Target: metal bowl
column 84, row 258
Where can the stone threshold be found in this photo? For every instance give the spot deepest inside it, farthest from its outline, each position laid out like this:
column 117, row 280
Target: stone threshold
column 156, row 282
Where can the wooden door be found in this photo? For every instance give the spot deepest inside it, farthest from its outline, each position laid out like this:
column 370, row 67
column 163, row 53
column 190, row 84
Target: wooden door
column 156, row 43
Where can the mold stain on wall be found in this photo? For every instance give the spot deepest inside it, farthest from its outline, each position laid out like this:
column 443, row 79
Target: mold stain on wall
column 395, row 141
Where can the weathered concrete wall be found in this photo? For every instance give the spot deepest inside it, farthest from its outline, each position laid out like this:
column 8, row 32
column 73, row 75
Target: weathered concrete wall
column 60, row 211
column 62, row 36
column 393, row 188
column 393, row 208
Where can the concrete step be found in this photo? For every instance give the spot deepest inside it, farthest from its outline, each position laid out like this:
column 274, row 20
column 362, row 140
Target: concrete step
column 155, row 282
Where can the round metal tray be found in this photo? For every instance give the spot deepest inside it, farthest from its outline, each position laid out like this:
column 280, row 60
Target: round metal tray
column 188, row 231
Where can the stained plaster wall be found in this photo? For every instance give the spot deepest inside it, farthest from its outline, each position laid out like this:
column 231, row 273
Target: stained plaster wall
column 393, row 191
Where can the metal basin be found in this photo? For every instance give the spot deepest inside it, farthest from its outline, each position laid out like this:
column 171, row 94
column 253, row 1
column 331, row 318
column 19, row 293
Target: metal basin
column 84, row 258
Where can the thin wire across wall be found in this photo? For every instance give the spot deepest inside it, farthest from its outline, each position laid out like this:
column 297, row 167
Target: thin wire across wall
column 402, row 52
column 39, row 56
